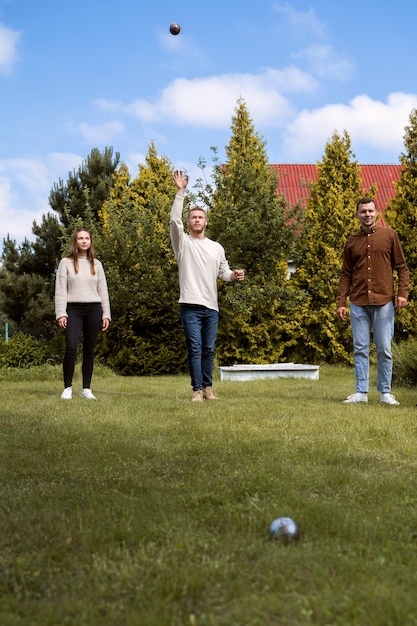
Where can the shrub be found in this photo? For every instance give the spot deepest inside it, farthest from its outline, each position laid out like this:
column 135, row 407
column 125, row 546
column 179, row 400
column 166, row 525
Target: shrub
column 405, row 362
column 23, row 351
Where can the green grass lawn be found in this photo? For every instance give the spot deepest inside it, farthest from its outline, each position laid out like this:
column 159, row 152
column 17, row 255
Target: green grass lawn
column 146, row 509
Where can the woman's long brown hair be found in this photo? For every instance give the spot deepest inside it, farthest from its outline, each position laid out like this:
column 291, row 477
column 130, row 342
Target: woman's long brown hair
column 74, row 250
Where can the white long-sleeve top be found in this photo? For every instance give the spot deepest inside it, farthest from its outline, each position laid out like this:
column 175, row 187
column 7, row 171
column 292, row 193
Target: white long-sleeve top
column 200, row 262
column 81, row 287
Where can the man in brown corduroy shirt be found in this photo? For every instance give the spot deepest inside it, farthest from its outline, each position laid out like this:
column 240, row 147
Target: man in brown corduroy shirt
column 367, row 278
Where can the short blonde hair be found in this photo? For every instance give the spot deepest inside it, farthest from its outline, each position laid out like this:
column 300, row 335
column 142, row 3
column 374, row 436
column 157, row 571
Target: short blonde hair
column 196, row 208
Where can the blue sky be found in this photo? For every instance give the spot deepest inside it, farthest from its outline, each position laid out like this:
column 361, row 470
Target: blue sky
column 87, row 74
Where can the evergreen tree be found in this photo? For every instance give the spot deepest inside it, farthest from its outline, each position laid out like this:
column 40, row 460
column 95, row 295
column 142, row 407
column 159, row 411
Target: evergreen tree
column 145, row 336
column 27, row 290
column 329, row 221
column 46, row 249
column 27, row 277
column 95, row 175
column 257, row 231
column 402, row 216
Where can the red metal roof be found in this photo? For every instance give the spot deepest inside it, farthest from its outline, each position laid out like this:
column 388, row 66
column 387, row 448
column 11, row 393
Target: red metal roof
column 294, row 181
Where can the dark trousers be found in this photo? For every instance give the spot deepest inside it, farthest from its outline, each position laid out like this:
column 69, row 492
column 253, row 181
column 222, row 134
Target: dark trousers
column 84, row 317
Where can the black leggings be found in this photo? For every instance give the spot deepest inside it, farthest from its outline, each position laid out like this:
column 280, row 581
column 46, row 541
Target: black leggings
column 84, row 317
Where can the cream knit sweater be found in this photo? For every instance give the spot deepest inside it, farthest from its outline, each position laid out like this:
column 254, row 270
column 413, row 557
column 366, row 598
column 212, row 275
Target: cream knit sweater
column 200, row 262
column 80, row 287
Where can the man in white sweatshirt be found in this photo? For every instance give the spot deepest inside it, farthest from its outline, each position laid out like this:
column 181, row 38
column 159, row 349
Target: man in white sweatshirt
column 201, row 261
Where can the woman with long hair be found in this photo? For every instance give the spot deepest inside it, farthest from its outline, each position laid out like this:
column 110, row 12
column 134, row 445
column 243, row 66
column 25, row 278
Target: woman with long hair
column 81, row 304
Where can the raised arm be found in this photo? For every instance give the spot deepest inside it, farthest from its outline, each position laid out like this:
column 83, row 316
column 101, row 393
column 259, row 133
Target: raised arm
column 180, row 180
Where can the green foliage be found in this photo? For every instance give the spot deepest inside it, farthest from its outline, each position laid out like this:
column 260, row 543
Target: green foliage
column 46, row 249
column 146, row 336
column 22, row 350
column 402, row 216
column 35, row 373
column 95, row 174
column 329, row 220
column 27, row 275
column 26, row 300
column 132, row 347
column 257, row 230
column 268, row 317
column 404, row 355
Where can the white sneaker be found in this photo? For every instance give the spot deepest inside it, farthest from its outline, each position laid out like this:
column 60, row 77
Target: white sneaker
column 388, row 398
column 356, row 397
column 66, row 394
column 87, row 393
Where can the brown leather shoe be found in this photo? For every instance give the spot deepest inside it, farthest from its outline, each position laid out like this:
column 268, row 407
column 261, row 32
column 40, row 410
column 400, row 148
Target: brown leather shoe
column 209, row 394
column 197, row 396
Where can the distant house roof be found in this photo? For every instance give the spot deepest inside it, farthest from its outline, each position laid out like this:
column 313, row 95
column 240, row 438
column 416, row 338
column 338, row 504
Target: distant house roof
column 294, row 181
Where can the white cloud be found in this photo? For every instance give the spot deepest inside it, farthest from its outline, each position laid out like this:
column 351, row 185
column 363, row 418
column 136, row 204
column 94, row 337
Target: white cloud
column 325, row 62
column 101, row 133
column 25, row 185
column 302, row 22
column 108, row 105
column 320, row 57
column 19, row 206
column 133, row 160
column 9, row 40
column 210, row 102
column 7, row 201
column 371, row 124
column 32, row 174
column 60, row 164
column 183, row 50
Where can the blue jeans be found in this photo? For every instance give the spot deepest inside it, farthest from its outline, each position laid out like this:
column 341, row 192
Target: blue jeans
column 381, row 320
column 200, row 327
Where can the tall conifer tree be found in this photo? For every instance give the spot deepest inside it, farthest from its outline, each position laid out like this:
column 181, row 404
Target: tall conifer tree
column 256, row 228
column 402, row 215
column 94, row 175
column 330, row 219
column 146, row 336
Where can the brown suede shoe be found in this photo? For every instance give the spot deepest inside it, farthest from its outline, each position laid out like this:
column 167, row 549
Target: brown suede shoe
column 197, row 396
column 209, row 394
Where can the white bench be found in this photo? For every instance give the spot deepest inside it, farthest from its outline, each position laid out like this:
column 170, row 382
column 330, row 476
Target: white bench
column 273, row 370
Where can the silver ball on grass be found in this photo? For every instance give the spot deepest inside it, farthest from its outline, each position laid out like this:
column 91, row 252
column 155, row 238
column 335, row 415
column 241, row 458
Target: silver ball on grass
column 284, row 529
